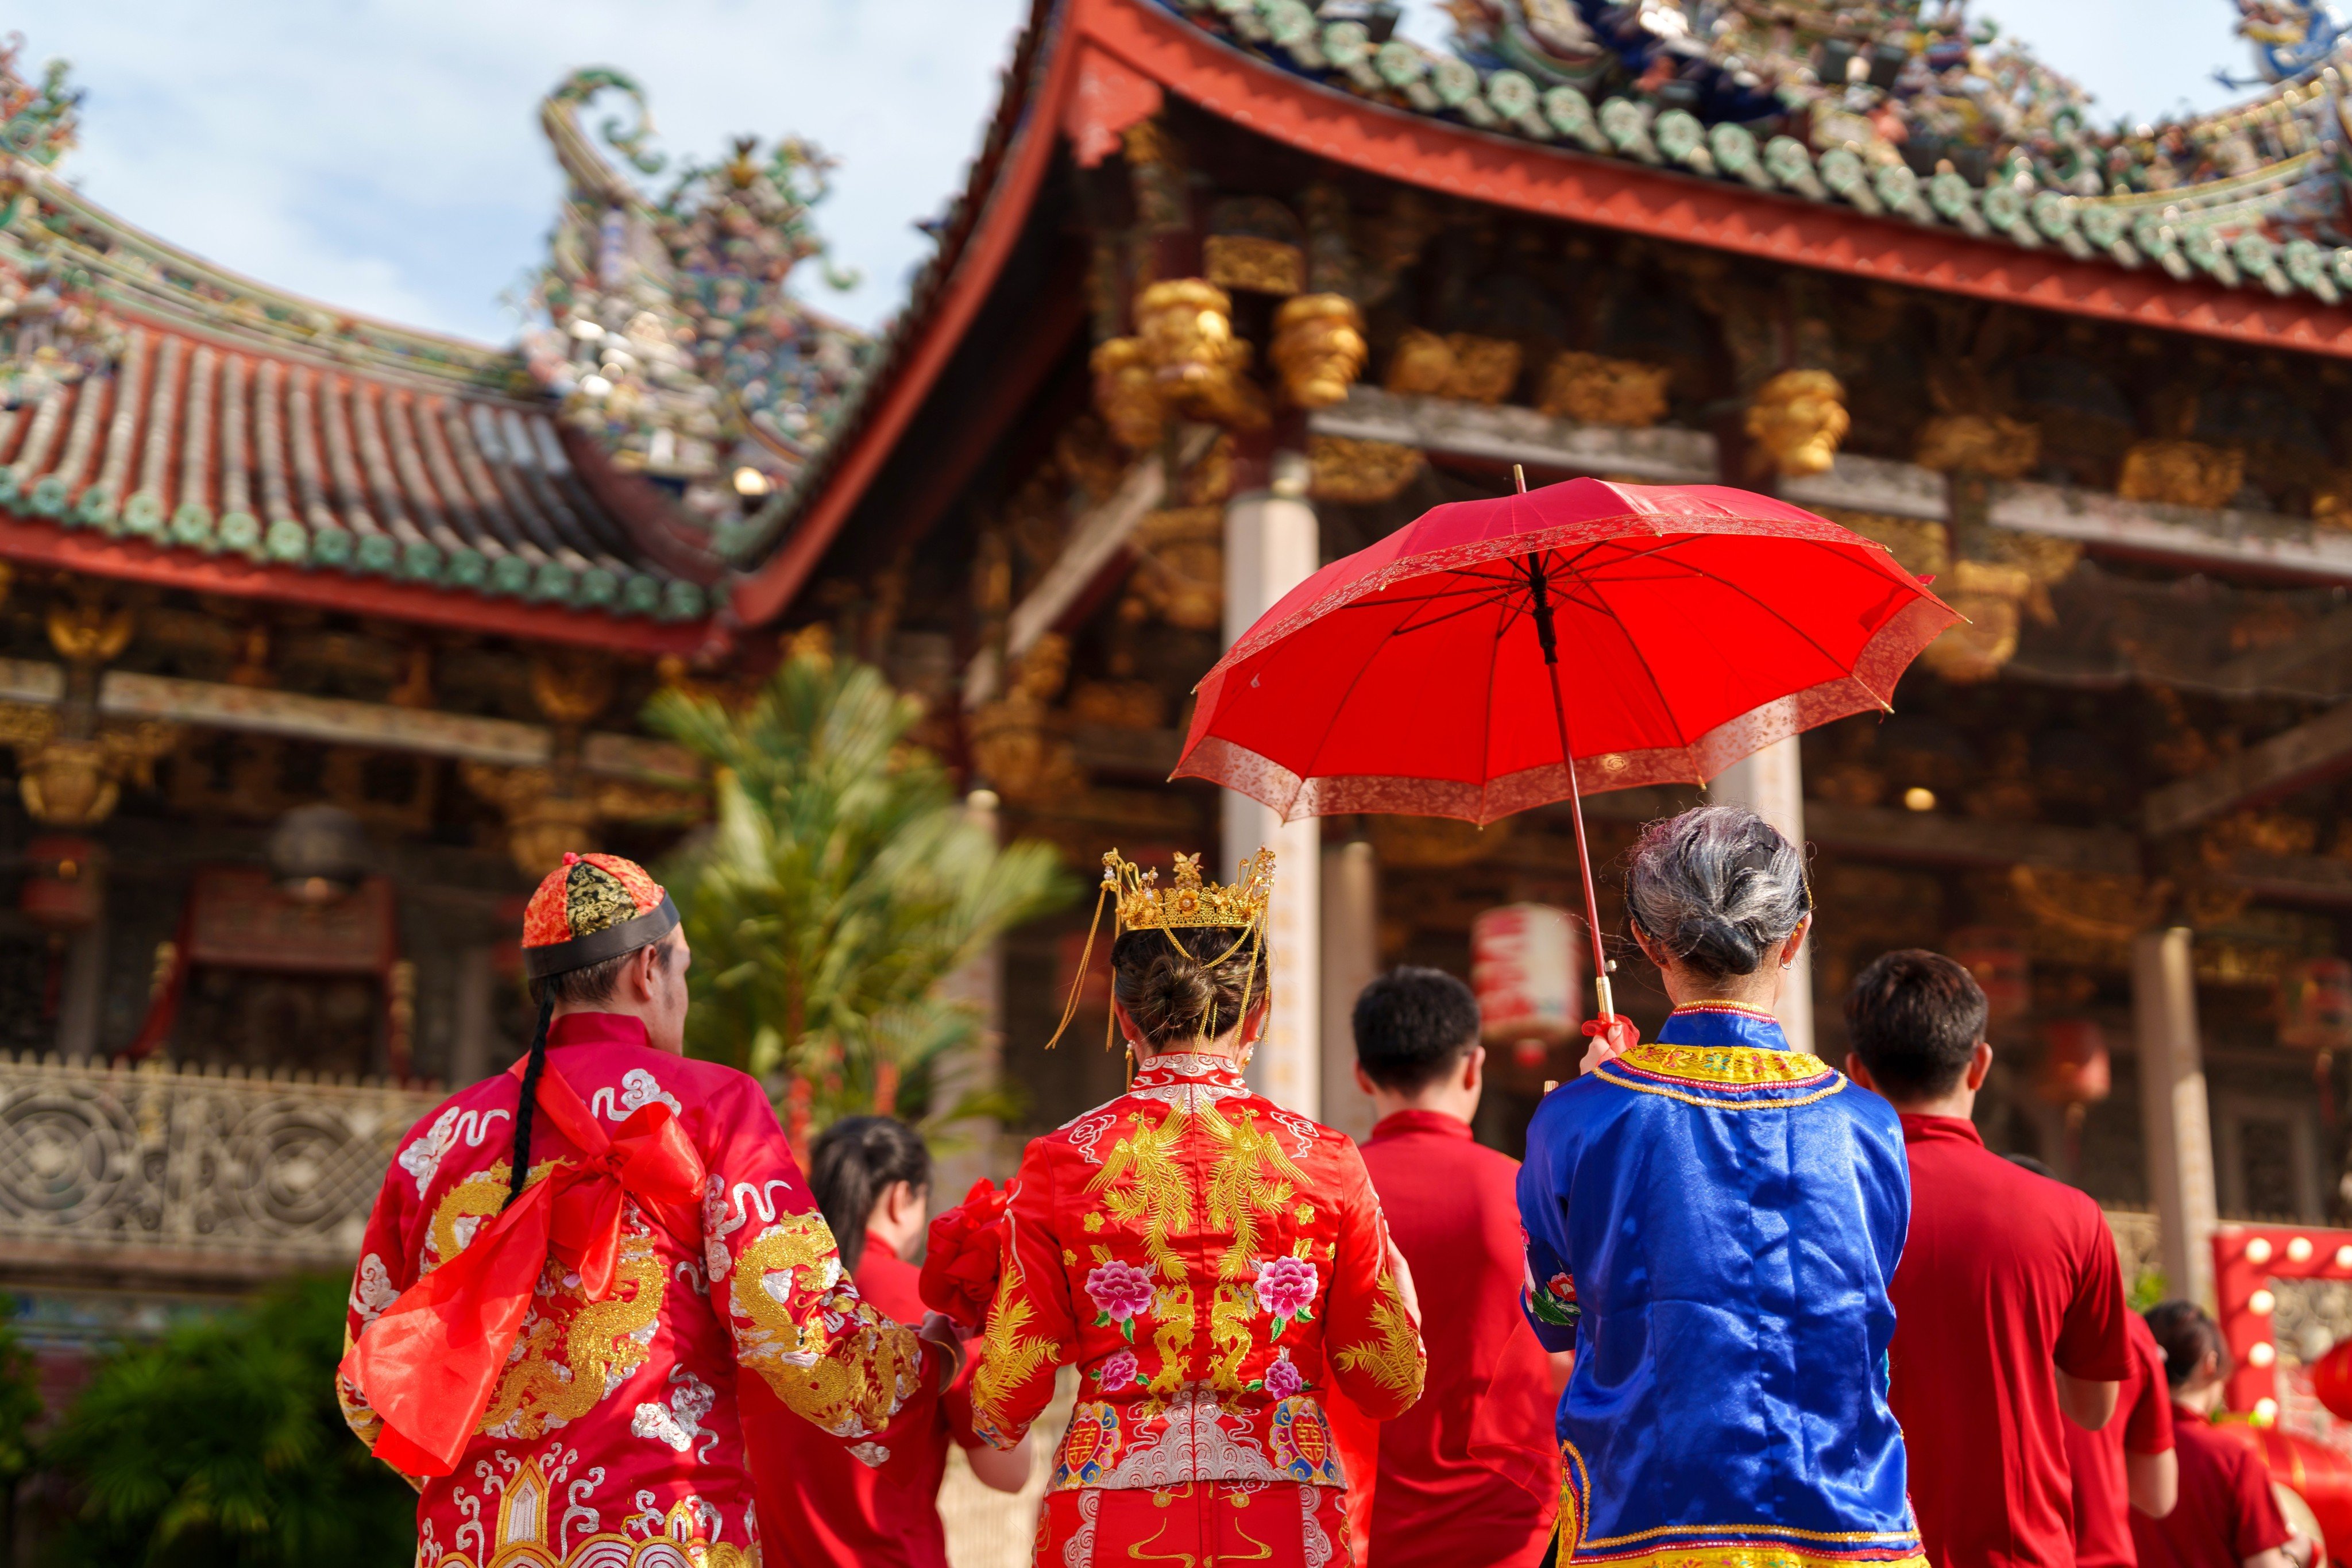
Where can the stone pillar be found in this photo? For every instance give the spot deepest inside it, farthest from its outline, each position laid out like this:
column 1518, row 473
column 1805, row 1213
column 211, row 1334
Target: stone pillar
column 1270, row 548
column 1351, row 957
column 2174, row 1120
column 969, row 1150
column 1771, row 784
column 473, row 1042
column 81, row 994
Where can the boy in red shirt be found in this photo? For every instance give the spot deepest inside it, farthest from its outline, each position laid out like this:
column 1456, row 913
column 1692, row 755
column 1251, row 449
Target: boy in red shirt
column 2129, row 1467
column 1468, row 1476
column 2227, row 1517
column 2006, row 1277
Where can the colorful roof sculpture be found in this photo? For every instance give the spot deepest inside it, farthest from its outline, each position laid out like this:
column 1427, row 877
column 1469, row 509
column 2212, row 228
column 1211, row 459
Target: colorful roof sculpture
column 1885, row 140
column 166, row 419
column 1895, row 108
column 673, row 340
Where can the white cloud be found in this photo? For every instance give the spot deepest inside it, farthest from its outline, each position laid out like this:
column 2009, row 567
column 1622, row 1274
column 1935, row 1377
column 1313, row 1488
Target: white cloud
column 386, row 158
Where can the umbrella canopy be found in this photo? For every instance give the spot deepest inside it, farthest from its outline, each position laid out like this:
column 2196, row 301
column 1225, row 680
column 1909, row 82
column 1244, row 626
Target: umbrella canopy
column 1694, row 624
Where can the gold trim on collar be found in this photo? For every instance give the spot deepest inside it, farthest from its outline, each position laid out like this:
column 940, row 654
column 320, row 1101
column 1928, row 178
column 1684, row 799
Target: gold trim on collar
column 1735, row 1065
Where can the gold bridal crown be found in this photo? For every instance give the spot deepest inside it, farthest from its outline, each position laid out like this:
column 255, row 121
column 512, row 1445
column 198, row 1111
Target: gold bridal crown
column 1142, row 904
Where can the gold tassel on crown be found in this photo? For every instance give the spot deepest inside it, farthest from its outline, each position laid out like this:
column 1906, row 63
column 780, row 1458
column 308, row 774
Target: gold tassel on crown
column 1140, row 903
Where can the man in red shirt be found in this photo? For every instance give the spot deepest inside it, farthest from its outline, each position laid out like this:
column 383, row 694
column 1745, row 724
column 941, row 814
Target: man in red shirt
column 2009, row 1303
column 2126, row 1465
column 1468, row 1476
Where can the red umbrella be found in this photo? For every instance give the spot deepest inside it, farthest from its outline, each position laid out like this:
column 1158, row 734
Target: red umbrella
column 1697, row 623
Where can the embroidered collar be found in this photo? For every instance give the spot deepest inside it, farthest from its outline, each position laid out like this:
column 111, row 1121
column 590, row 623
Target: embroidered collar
column 1169, row 1068
column 1724, row 1053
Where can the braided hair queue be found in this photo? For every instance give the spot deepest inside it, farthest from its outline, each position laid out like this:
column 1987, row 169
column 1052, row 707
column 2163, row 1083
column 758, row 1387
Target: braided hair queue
column 575, row 987
column 854, row 1163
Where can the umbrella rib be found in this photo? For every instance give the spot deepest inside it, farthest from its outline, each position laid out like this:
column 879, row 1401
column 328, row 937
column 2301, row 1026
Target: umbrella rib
column 1723, row 581
column 1459, row 610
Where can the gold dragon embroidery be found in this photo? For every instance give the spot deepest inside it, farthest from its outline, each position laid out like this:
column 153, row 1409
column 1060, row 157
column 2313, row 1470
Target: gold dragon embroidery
column 479, row 1196
column 1251, row 1176
column 1160, row 1198
column 849, row 1382
column 1394, row 1360
column 575, row 1352
column 1174, row 1340
column 1232, row 1311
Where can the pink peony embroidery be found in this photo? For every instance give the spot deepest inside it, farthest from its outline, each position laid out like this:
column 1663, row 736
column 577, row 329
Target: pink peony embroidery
column 1286, row 1290
column 1282, row 1378
column 1121, row 1293
column 1118, row 1372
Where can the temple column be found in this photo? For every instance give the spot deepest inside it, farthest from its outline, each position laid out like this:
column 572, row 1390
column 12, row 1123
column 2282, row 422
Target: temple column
column 1270, row 549
column 2175, row 1124
column 980, row 1065
column 1351, row 957
column 1771, row 784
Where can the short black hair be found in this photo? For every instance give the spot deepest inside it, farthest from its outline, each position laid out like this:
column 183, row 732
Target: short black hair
column 1915, row 1018
column 1410, row 1025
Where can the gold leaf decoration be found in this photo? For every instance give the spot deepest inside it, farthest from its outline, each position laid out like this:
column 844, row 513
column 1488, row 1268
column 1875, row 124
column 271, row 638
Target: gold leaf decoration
column 1346, row 470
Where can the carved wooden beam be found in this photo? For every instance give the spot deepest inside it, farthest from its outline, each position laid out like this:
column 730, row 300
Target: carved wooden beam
column 2287, row 761
column 337, row 722
column 1503, row 434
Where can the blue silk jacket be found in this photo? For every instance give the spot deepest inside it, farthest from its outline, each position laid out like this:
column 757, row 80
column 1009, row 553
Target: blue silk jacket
column 1712, row 1221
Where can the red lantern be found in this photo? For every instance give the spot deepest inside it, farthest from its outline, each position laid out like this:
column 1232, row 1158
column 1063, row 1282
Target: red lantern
column 2331, row 1380
column 1527, row 967
column 1998, row 959
column 2075, row 1071
column 64, row 889
column 2314, row 1011
column 2315, row 1003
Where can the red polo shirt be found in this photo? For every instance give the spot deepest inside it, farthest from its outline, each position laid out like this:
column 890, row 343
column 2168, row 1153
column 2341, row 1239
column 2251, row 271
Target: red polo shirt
column 2226, row 1512
column 2004, row 1274
column 2142, row 1425
column 822, row 1506
column 1469, row 1475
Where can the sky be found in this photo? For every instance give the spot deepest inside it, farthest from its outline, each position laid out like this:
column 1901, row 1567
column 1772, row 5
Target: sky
column 386, row 158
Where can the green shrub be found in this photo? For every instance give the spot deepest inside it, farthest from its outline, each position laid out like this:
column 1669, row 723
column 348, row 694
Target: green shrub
column 221, row 1446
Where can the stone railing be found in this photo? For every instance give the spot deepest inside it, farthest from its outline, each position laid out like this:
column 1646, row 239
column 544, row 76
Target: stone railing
column 214, row 1177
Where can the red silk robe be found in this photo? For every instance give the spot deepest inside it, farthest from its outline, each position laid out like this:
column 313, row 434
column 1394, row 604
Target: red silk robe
column 1212, row 1264
column 612, row 1439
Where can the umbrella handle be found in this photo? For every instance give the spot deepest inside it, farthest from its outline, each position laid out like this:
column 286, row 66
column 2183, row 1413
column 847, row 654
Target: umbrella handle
column 1548, row 639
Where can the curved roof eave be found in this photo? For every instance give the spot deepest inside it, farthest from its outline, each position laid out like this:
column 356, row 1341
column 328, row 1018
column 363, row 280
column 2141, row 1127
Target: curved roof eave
column 1183, row 57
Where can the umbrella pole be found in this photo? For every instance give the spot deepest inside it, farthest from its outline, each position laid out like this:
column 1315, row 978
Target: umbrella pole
column 1548, row 639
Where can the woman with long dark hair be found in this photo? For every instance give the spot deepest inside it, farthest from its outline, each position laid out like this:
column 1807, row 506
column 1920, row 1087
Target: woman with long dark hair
column 871, row 1178
column 1213, row 1265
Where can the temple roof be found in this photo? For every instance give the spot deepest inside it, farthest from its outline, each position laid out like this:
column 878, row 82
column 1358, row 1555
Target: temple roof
column 1892, row 110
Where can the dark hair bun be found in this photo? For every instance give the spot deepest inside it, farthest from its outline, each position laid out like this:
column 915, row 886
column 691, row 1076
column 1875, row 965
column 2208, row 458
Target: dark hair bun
column 1189, row 983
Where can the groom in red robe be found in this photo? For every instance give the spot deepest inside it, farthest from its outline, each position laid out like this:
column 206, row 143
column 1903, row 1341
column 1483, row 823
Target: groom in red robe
column 571, row 1264
column 1468, row 1474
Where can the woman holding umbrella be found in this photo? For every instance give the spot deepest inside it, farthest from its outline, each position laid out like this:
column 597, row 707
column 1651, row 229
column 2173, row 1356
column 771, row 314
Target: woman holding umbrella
column 1712, row 1221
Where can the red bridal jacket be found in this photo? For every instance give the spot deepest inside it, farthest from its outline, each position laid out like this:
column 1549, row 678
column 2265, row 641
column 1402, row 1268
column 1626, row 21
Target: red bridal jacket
column 612, row 1439
column 1212, row 1264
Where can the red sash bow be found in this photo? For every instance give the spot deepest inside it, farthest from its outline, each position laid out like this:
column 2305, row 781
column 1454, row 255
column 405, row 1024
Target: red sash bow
column 429, row 1364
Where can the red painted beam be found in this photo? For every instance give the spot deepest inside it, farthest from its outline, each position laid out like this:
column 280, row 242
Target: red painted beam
column 1510, row 172
column 134, row 561
column 764, row 593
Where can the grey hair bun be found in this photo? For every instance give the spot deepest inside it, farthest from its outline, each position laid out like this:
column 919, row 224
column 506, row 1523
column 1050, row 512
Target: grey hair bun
column 1718, row 888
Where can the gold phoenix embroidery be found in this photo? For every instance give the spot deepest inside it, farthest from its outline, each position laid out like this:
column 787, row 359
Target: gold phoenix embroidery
column 1251, row 1176
column 1394, row 1360
column 573, row 1359
column 1161, row 1197
column 1007, row 1358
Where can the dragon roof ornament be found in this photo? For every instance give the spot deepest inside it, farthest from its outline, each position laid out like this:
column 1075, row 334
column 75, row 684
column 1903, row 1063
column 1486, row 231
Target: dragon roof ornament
column 670, row 333
column 1902, row 108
